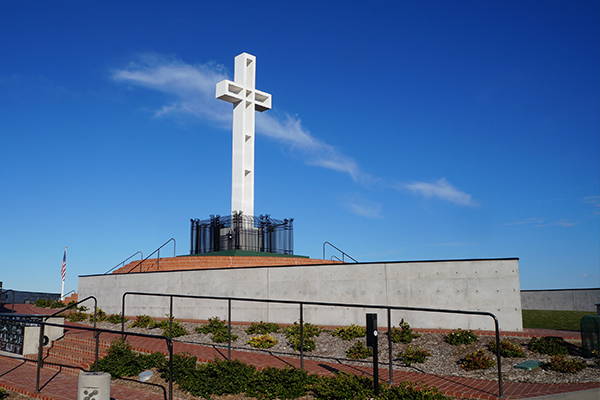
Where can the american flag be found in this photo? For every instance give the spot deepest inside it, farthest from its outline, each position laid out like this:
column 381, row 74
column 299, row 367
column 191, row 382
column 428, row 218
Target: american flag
column 63, row 267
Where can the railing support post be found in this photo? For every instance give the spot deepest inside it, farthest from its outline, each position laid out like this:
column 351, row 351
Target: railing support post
column 389, row 340
column 123, row 316
column 301, row 335
column 498, row 359
column 229, row 329
column 39, row 357
column 170, row 348
column 171, row 314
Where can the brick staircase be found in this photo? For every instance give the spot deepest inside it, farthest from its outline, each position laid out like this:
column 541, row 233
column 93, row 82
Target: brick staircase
column 73, row 350
column 209, row 262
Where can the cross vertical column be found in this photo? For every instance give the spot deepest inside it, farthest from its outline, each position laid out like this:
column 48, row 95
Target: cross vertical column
column 246, row 99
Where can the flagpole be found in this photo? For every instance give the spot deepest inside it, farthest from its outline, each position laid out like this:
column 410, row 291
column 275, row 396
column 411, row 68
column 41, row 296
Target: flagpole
column 62, row 276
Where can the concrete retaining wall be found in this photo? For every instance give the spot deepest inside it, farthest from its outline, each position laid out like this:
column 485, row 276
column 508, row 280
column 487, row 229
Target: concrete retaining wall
column 478, row 285
column 561, row 299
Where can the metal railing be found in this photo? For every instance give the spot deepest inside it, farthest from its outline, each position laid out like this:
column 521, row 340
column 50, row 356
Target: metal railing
column 343, row 253
column 301, row 305
column 122, row 263
column 157, row 251
column 97, row 332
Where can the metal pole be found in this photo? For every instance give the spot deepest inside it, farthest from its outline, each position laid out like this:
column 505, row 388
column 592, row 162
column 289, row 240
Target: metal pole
column 123, row 314
column 158, row 260
column 229, row 329
column 389, row 335
column 171, row 314
column 97, row 349
column 170, row 348
column 39, row 358
column 498, row 360
column 301, row 336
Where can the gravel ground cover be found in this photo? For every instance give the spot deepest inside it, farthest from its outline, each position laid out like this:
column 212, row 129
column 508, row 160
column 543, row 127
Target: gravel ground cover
column 443, row 360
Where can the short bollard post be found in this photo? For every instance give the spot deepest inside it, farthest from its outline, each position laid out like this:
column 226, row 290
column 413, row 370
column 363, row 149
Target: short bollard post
column 372, row 336
column 93, row 385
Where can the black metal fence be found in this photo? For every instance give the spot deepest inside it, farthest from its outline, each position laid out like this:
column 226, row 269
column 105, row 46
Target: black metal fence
column 242, row 232
column 302, row 304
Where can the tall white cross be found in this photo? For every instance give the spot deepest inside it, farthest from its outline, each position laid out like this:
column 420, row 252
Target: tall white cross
column 246, row 99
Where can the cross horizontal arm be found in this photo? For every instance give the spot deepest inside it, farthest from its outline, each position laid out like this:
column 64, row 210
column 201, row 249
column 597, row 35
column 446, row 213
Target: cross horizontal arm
column 233, row 92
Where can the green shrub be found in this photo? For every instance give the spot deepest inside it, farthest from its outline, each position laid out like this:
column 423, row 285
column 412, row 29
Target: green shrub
column 276, row 383
column 460, row 336
column 342, row 387
column 262, row 341
column 551, row 345
column 262, row 328
column 214, row 325
column 48, row 303
column 413, row 355
column 122, row 361
column 564, row 364
column 507, row 349
column 183, row 365
column 100, row 315
column 292, row 334
column 476, row 360
column 3, row 393
column 359, row 351
column 115, row 319
column 409, row 391
column 350, row 332
column 172, row 329
column 76, row 316
column 218, row 377
column 143, row 321
column 403, row 334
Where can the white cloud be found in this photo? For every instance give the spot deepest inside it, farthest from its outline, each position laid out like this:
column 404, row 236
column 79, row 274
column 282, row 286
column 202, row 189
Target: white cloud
column 192, row 87
column 363, row 208
column 526, row 221
column 542, row 223
column 595, row 202
column 441, row 189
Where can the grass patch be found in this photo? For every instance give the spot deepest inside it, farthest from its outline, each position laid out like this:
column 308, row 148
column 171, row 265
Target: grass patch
column 553, row 319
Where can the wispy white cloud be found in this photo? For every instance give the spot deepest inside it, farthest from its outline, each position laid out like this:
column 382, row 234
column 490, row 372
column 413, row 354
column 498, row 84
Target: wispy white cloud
column 441, row 189
column 191, row 90
column 595, row 202
column 542, row 223
column 364, row 208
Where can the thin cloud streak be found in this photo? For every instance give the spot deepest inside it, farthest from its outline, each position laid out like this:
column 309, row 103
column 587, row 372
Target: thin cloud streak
column 542, row 223
column 364, row 208
column 192, row 88
column 595, row 202
column 441, row 189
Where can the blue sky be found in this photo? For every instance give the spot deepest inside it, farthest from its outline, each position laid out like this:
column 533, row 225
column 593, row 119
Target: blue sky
column 399, row 130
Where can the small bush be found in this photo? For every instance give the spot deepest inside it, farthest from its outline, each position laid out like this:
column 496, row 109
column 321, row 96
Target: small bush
column 276, row 383
column 262, row 341
column 476, row 360
column 564, row 364
column 214, row 325
column 413, row 355
column 48, row 303
column 507, row 349
column 551, row 345
column 460, row 336
column 223, row 337
column 122, row 361
column 292, row 334
column 115, row 319
column 172, row 329
column 342, row 387
column 100, row 315
column 359, row 351
column 403, row 334
column 143, row 321
column 350, row 332
column 409, row 391
column 183, row 365
column 3, row 393
column 218, row 377
column 76, row 316
column 262, row 328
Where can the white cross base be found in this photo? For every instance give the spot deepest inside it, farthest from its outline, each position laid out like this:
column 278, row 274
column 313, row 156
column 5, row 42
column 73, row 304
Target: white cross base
column 246, row 99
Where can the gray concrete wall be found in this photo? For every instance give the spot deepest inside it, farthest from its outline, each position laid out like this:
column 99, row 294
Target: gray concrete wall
column 561, row 299
column 477, row 285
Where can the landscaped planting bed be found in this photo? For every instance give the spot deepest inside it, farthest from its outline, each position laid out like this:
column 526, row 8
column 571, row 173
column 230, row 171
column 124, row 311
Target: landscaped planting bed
column 435, row 350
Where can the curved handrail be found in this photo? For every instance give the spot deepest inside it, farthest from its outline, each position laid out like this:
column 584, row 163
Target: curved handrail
column 122, row 263
column 154, row 252
column 332, row 258
column 338, row 249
